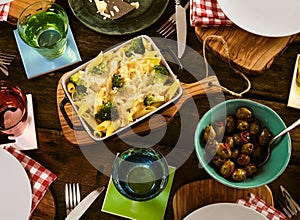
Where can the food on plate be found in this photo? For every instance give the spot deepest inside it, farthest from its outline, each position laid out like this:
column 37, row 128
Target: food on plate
column 120, row 86
column 236, row 144
column 114, row 9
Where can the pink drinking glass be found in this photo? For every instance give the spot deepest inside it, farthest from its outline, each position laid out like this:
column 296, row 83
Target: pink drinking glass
column 13, row 109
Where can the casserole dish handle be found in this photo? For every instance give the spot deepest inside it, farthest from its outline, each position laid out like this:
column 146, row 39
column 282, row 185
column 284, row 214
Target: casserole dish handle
column 65, row 115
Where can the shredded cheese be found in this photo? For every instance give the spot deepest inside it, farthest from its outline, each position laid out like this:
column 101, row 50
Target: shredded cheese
column 136, row 5
column 101, row 6
column 116, row 8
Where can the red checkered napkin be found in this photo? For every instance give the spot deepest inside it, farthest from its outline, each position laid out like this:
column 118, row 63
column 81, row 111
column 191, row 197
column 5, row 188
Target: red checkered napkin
column 261, row 206
column 4, row 10
column 40, row 178
column 206, row 13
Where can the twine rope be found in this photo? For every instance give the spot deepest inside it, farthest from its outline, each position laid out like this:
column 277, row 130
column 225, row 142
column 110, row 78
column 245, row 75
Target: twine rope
column 220, row 38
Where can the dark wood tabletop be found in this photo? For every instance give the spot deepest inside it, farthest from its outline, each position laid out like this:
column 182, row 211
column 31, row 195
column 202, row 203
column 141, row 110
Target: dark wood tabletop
column 68, row 161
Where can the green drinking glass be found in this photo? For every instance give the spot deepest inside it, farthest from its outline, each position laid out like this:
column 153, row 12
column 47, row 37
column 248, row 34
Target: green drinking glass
column 43, row 26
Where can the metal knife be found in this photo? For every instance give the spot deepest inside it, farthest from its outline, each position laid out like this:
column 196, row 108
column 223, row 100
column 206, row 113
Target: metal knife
column 290, row 202
column 78, row 211
column 180, row 28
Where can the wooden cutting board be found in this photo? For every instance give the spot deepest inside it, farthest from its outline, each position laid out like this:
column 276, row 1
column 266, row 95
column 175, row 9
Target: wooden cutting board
column 17, row 7
column 250, row 53
column 204, row 192
column 197, row 89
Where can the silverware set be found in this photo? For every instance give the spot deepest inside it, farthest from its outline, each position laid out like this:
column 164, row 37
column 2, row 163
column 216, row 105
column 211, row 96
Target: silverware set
column 83, row 205
column 169, row 26
column 5, row 60
column 72, row 196
column 74, row 206
column 287, row 203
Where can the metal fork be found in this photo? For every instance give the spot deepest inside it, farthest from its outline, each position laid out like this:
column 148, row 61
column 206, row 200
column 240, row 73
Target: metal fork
column 280, row 201
column 72, row 196
column 169, row 26
column 287, row 203
column 5, row 60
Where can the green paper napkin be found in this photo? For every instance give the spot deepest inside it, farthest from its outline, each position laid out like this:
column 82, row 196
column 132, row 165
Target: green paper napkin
column 117, row 204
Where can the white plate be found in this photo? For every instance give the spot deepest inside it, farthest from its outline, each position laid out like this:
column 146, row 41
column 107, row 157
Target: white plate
column 15, row 189
column 225, row 211
column 271, row 18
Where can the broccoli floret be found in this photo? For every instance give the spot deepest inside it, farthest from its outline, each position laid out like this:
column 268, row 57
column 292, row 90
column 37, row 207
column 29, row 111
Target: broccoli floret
column 107, row 111
column 80, row 91
column 116, row 81
column 161, row 73
column 136, row 46
column 75, row 78
column 151, row 100
column 148, row 100
column 100, row 69
column 160, row 69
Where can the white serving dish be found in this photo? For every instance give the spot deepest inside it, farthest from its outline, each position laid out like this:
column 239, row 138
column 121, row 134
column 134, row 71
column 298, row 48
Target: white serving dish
column 86, row 127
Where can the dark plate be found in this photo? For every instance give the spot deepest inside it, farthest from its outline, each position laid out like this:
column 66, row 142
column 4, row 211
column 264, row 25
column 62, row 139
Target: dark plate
column 137, row 20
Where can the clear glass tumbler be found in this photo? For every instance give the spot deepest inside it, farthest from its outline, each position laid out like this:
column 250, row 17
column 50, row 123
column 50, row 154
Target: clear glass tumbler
column 44, row 27
column 13, row 109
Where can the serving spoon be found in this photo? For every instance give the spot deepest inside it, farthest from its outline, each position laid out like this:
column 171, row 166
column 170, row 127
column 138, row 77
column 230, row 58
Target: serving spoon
column 292, row 126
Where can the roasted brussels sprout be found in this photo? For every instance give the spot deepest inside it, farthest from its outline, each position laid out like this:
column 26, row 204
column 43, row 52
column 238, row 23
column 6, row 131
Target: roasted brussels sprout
column 244, row 114
column 239, row 175
column 218, row 161
column 234, row 153
column 242, row 125
column 209, row 134
column 247, row 148
column 243, row 160
column 230, row 124
column 219, row 127
column 254, row 127
column 264, row 137
column 223, row 150
column 230, row 141
column 241, row 138
column 250, row 169
column 212, row 147
column 227, row 168
column 256, row 151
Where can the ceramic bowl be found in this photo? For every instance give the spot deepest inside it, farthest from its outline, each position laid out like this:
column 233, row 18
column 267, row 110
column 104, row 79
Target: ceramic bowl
column 140, row 173
column 280, row 155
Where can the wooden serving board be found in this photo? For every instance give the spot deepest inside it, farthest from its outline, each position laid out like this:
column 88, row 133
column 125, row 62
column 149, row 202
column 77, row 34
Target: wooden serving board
column 250, row 53
column 204, row 192
column 45, row 209
column 200, row 88
column 17, row 7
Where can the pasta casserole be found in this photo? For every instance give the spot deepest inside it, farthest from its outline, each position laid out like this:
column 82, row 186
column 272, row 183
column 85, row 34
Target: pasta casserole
column 121, row 86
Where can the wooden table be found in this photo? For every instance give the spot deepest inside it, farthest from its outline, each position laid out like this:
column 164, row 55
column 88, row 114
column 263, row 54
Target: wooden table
column 68, row 162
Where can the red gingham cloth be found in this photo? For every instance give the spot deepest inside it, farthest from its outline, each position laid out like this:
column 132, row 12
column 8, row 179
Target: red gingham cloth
column 261, row 206
column 4, row 9
column 40, row 178
column 206, row 13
